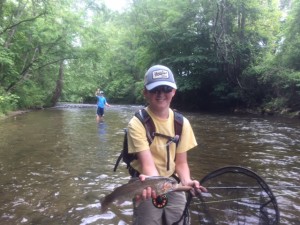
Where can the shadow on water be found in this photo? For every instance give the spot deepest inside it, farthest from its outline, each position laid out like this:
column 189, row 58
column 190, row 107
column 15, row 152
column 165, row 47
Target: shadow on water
column 56, row 164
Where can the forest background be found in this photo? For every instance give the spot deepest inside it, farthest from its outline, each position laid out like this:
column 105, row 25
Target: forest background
column 225, row 54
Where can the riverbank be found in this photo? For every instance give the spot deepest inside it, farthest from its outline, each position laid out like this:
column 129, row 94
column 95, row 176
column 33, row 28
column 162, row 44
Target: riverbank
column 266, row 112
column 13, row 113
column 58, row 105
column 286, row 113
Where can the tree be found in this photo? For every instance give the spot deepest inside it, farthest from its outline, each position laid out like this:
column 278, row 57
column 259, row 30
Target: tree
column 225, row 52
column 282, row 71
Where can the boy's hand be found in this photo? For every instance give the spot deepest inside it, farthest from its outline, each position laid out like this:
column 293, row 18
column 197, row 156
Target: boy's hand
column 197, row 188
column 147, row 192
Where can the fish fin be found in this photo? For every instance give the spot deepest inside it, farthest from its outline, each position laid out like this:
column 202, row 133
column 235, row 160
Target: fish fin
column 105, row 202
column 109, row 200
column 104, row 206
column 133, row 179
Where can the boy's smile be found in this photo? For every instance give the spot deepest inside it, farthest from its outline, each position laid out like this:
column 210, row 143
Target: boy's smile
column 159, row 100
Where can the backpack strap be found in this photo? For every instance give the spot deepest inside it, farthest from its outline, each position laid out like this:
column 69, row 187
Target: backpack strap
column 127, row 158
column 148, row 123
column 178, row 124
column 150, row 130
column 125, row 144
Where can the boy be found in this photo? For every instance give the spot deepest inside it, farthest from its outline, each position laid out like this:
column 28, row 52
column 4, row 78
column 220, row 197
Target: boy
column 101, row 103
column 156, row 160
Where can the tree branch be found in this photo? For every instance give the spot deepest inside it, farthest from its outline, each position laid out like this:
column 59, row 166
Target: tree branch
column 20, row 22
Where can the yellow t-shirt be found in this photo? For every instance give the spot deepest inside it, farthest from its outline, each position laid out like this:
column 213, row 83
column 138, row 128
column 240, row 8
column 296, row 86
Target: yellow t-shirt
column 137, row 141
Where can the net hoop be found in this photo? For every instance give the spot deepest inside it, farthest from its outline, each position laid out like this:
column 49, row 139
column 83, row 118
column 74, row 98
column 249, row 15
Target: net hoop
column 271, row 203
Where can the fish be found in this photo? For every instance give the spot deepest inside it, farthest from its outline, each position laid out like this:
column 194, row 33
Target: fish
column 135, row 186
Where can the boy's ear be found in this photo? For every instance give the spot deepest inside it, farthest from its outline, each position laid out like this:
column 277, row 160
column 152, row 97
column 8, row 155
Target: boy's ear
column 173, row 92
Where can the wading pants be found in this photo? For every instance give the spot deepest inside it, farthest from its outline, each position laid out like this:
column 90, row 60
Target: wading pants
column 147, row 214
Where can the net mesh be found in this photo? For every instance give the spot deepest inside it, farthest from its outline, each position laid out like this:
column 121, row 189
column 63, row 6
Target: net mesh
column 235, row 195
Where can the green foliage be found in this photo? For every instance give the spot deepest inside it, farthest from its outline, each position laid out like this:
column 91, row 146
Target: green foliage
column 33, row 96
column 223, row 91
column 138, row 92
column 275, row 104
column 8, row 102
column 121, row 90
column 280, row 86
column 289, row 53
column 228, row 52
column 7, row 66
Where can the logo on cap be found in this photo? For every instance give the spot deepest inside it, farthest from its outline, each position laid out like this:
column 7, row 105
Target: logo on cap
column 160, row 74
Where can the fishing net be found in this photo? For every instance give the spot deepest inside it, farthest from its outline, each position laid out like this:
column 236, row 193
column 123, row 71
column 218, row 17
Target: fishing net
column 235, row 196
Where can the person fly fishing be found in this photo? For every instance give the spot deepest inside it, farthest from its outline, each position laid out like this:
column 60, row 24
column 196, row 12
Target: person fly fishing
column 101, row 103
column 165, row 157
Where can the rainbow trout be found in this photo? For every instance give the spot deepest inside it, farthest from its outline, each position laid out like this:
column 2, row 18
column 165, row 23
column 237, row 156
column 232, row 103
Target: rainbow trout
column 161, row 185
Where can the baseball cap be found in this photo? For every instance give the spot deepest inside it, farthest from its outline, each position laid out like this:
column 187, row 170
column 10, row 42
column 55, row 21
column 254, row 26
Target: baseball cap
column 159, row 75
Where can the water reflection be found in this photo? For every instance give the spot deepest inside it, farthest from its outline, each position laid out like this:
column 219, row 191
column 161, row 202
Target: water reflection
column 56, row 164
column 102, row 131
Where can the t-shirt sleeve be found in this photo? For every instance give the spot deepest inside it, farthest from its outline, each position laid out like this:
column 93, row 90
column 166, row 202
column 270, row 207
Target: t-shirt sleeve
column 187, row 139
column 136, row 136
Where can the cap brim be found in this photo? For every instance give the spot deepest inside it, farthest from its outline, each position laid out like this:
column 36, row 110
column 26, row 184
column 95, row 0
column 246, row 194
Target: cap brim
column 160, row 83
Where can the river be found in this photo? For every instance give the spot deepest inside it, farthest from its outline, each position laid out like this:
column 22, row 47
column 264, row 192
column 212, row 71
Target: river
column 57, row 163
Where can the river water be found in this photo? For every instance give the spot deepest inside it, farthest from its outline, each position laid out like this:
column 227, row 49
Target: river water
column 57, row 163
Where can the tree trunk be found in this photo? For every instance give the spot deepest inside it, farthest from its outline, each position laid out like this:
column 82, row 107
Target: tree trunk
column 59, row 85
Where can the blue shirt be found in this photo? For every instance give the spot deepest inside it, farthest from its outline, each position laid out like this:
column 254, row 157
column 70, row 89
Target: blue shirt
column 101, row 101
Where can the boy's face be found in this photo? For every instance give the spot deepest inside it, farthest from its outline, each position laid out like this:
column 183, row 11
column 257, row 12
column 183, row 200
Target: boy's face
column 160, row 97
